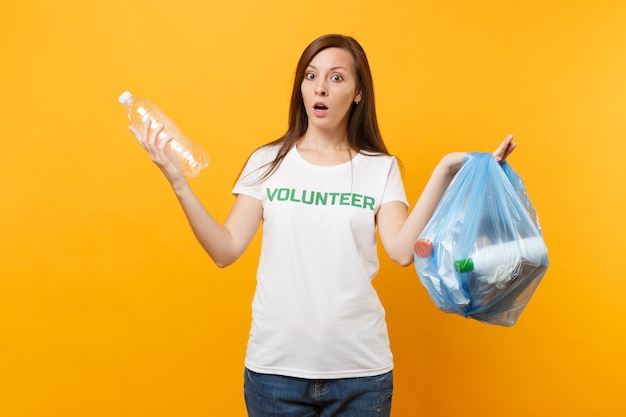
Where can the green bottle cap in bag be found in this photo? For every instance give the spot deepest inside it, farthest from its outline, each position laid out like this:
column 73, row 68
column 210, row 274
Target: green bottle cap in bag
column 464, row 265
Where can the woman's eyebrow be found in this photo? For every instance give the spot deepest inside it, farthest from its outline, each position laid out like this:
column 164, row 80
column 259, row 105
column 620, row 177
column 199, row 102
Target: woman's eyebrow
column 332, row 68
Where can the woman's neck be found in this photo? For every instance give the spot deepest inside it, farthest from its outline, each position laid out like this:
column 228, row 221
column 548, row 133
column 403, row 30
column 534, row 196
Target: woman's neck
column 324, row 149
column 323, row 141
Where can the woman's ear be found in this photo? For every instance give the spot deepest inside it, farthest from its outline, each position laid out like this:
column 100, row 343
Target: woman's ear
column 358, row 97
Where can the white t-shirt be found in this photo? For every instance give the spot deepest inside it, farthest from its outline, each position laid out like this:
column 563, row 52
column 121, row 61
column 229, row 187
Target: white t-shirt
column 315, row 313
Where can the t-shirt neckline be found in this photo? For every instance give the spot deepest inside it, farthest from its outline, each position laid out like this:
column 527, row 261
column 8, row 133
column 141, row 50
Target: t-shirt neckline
column 296, row 155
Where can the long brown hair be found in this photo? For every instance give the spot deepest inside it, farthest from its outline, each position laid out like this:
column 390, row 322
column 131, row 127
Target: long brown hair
column 363, row 131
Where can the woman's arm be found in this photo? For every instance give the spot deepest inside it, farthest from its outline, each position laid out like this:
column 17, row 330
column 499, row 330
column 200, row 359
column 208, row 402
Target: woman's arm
column 224, row 243
column 399, row 230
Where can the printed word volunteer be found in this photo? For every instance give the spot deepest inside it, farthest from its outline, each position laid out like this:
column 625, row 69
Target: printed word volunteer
column 318, row 198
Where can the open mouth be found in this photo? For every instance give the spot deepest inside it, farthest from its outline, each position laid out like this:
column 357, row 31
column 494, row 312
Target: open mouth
column 320, row 106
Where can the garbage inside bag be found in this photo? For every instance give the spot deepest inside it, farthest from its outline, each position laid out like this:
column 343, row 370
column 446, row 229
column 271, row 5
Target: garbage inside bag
column 482, row 254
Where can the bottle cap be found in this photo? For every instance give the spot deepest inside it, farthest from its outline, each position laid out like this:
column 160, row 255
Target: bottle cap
column 124, row 97
column 464, row 265
column 423, row 248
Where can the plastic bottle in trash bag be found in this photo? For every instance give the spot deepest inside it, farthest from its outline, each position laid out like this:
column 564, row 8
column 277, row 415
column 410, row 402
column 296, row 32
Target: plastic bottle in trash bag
column 486, row 260
column 187, row 156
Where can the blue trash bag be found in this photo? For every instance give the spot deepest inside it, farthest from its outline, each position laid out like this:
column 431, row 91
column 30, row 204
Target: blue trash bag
column 482, row 254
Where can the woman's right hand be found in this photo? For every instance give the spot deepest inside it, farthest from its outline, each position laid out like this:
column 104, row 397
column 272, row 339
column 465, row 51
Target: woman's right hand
column 155, row 143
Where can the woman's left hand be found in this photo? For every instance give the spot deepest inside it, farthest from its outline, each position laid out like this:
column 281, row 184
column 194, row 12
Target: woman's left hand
column 505, row 149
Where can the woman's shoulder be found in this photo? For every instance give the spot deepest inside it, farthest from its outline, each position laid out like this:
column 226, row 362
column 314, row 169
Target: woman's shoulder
column 265, row 153
column 377, row 157
column 379, row 162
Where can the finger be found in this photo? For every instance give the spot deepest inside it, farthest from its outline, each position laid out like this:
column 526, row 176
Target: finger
column 509, row 149
column 146, row 129
column 505, row 148
column 507, row 142
column 135, row 132
column 510, row 146
column 155, row 132
column 163, row 139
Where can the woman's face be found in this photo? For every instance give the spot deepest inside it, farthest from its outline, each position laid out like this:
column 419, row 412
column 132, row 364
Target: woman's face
column 329, row 89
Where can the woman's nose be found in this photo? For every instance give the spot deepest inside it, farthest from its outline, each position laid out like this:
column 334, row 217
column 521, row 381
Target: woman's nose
column 321, row 89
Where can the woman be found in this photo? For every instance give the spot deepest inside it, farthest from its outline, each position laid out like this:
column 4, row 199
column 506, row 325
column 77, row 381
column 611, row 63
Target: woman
column 318, row 344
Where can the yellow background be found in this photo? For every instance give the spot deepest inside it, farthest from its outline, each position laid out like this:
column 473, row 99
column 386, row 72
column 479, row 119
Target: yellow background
column 109, row 307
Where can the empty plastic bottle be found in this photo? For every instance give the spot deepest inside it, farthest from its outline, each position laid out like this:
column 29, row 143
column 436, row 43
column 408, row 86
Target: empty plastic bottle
column 488, row 259
column 187, row 156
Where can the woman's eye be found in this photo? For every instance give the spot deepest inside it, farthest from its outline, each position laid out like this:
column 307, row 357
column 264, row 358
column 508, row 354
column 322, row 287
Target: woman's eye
column 309, row 76
column 336, row 77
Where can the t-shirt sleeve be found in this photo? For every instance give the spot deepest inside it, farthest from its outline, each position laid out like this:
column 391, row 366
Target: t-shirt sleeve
column 248, row 182
column 394, row 189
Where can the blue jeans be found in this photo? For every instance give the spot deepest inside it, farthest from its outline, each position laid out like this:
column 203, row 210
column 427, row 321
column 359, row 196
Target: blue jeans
column 282, row 396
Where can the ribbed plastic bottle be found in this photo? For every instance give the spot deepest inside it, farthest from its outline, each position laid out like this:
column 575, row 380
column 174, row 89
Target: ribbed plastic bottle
column 488, row 259
column 188, row 157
